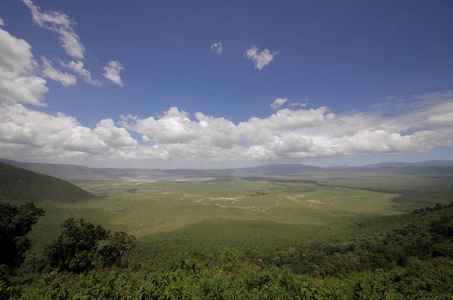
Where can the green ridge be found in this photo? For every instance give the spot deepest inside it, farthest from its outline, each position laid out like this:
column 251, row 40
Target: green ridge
column 19, row 186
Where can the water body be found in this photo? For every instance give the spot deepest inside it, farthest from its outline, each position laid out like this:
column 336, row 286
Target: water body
column 167, row 178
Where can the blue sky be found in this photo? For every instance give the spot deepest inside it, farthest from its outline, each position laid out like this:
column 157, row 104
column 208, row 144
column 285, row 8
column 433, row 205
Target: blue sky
column 225, row 83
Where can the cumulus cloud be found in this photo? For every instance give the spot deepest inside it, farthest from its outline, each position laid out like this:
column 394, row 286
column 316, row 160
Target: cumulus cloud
column 60, row 24
column 205, row 137
column 1, row 22
column 112, row 135
column 29, row 133
column 295, row 134
column 291, row 133
column 175, row 127
column 48, row 71
column 112, row 72
column 260, row 59
column 217, row 48
column 278, row 102
column 18, row 82
column 45, row 134
column 285, row 135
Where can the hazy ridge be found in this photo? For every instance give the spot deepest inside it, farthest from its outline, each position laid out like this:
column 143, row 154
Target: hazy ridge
column 77, row 172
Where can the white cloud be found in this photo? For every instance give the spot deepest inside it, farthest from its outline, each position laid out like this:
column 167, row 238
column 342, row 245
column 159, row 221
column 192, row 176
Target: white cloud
column 442, row 119
column 1, row 22
column 146, row 138
column 60, row 24
column 48, row 71
column 79, row 69
column 175, row 127
column 439, row 115
column 45, row 134
column 18, row 83
column 112, row 72
column 113, row 136
column 176, row 133
column 285, row 135
column 295, row 134
column 262, row 58
column 217, row 48
column 295, row 104
column 278, row 102
column 28, row 133
column 63, row 25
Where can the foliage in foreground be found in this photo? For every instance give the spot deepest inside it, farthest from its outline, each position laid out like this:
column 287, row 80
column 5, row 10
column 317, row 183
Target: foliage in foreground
column 15, row 223
column 76, row 249
column 431, row 279
column 414, row 261
column 428, row 238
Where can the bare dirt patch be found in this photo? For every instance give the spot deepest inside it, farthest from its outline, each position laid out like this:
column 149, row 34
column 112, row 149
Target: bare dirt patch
column 316, row 201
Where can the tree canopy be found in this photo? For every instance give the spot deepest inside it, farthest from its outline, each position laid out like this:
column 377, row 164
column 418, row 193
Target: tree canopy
column 77, row 247
column 15, row 223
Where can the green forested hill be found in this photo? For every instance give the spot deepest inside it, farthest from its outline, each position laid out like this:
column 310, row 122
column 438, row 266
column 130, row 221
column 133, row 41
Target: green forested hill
column 19, row 186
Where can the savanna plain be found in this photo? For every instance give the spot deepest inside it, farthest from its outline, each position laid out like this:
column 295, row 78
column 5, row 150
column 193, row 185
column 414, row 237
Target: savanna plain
column 338, row 234
column 183, row 216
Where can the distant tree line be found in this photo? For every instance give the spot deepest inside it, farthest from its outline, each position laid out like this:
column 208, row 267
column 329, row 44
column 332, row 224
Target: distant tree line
column 437, row 206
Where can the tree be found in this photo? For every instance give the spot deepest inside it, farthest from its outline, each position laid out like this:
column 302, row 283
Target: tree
column 76, row 247
column 15, row 223
column 118, row 244
column 443, row 227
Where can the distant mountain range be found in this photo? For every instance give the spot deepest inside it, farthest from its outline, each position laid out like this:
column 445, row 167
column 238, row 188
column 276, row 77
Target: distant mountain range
column 430, row 163
column 75, row 172
column 434, row 166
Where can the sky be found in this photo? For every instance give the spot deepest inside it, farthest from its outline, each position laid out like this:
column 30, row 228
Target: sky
column 225, row 84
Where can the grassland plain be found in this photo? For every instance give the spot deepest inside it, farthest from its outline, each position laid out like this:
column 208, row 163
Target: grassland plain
column 248, row 211
column 184, row 217
column 144, row 208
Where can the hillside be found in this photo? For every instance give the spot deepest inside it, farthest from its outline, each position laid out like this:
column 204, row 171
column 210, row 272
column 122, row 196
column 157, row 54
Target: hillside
column 76, row 172
column 18, row 185
column 62, row 171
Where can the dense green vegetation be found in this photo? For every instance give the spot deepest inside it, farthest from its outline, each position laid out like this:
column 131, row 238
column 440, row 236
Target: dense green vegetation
column 374, row 235
column 76, row 248
column 243, row 280
column 15, row 223
column 413, row 262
